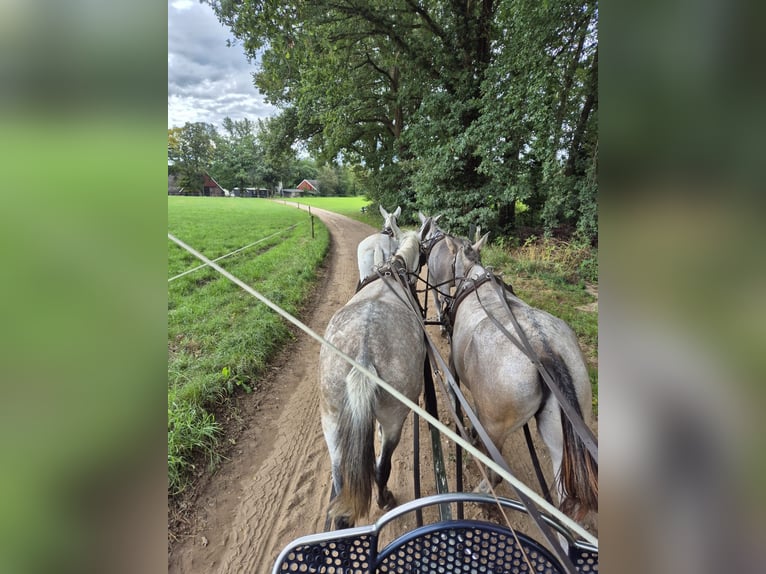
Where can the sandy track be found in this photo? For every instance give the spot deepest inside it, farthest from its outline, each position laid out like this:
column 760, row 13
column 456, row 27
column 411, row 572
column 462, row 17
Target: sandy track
column 275, row 485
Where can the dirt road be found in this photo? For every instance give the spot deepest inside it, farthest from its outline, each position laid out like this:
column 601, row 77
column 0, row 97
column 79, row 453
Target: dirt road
column 275, row 485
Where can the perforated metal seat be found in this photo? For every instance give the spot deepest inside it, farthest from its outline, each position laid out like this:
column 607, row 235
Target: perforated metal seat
column 451, row 546
column 465, row 547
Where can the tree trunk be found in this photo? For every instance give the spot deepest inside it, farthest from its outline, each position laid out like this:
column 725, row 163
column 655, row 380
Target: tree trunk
column 506, row 217
column 591, row 102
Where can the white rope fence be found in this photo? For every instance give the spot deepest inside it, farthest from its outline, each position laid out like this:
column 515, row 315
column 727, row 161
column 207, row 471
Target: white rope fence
column 445, row 430
column 234, row 252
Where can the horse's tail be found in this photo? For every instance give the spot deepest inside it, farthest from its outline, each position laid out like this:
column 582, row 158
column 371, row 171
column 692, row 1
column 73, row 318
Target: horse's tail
column 578, row 475
column 355, row 434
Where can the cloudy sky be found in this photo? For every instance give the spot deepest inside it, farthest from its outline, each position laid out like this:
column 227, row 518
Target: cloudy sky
column 206, row 80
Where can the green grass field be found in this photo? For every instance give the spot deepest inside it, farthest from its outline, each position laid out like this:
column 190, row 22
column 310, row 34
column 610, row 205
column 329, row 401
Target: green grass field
column 219, row 337
column 348, row 206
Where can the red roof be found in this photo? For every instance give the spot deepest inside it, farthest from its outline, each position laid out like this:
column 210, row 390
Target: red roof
column 309, row 184
column 209, row 181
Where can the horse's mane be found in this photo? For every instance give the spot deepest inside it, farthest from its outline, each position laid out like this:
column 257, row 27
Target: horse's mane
column 409, row 243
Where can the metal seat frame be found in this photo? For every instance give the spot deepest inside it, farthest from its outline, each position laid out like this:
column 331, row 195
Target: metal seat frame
column 447, row 546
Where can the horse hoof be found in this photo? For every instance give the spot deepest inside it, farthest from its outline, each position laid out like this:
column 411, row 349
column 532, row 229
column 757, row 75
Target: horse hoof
column 388, row 502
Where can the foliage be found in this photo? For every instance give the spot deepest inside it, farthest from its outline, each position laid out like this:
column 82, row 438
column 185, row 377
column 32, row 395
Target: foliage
column 219, row 338
column 462, row 108
column 239, row 159
column 191, row 149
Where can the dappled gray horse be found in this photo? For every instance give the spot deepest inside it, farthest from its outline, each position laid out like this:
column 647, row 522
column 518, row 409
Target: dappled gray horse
column 440, row 248
column 381, row 330
column 506, row 386
column 381, row 245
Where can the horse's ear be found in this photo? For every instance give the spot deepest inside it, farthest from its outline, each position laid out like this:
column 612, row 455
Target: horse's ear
column 425, row 228
column 481, row 242
column 477, row 234
column 398, row 211
column 436, row 218
column 421, row 217
column 383, row 212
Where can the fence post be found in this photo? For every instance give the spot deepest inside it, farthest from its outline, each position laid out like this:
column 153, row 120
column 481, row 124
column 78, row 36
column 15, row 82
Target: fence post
column 312, row 226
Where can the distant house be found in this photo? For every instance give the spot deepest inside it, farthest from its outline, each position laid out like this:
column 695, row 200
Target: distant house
column 310, row 186
column 210, row 187
column 291, row 192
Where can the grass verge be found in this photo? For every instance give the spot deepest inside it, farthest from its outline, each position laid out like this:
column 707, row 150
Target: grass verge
column 219, row 337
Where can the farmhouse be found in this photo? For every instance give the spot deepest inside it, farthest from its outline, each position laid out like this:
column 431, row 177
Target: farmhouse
column 310, row 186
column 210, row 187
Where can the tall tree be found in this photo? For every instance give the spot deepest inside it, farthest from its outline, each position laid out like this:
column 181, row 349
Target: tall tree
column 459, row 106
column 191, row 149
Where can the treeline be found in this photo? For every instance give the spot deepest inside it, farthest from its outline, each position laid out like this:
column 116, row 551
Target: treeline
column 484, row 110
column 245, row 154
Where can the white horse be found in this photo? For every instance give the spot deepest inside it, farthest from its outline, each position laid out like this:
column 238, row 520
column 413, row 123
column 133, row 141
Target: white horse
column 506, row 386
column 384, row 241
column 383, row 332
column 440, row 248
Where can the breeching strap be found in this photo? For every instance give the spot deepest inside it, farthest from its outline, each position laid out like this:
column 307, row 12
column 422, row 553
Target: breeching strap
column 536, row 464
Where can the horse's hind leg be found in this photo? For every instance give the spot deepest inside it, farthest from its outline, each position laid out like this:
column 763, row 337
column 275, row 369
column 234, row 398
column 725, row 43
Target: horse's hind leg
column 497, row 435
column 549, row 427
column 390, row 440
column 329, row 425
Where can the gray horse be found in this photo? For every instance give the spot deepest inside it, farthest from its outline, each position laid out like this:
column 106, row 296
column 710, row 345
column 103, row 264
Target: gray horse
column 441, row 249
column 380, row 330
column 381, row 245
column 506, row 386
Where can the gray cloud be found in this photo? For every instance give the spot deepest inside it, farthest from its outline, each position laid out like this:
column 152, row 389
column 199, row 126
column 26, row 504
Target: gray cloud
column 207, row 80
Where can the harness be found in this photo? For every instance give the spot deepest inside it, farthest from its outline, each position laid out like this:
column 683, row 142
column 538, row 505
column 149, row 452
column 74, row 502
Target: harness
column 426, row 247
column 467, row 287
column 396, row 266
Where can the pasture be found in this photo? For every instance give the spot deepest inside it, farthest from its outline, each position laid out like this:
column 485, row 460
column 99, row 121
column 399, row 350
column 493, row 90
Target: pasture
column 220, row 338
column 348, row 206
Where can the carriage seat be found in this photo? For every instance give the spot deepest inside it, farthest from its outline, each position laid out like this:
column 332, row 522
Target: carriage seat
column 451, row 546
